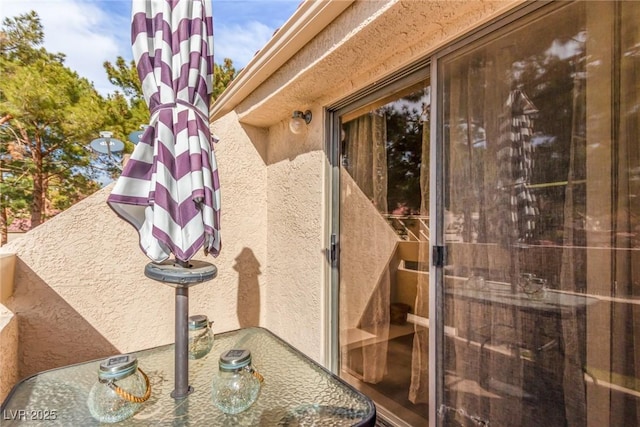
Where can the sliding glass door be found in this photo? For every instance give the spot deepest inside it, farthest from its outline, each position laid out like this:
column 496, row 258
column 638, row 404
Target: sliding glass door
column 384, row 195
column 535, row 188
column 540, row 122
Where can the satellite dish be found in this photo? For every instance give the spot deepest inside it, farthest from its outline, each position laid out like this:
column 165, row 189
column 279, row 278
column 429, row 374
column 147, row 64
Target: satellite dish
column 135, row 136
column 107, row 145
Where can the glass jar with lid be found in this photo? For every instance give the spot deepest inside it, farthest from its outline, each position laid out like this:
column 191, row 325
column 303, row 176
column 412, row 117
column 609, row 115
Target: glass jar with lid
column 120, row 390
column 200, row 336
column 536, row 288
column 237, row 384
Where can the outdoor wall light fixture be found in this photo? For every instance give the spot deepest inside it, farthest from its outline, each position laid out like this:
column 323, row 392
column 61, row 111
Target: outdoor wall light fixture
column 299, row 120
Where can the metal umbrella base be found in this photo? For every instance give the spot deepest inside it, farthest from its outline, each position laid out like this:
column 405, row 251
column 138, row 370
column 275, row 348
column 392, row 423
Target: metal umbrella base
column 181, row 276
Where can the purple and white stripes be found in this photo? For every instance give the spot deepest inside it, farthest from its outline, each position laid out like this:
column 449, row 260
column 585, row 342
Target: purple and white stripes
column 170, row 190
column 515, row 163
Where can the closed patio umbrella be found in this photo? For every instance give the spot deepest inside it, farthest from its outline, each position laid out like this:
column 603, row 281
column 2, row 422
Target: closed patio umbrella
column 515, row 163
column 169, row 190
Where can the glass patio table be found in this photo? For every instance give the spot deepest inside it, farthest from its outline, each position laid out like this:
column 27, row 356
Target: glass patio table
column 296, row 391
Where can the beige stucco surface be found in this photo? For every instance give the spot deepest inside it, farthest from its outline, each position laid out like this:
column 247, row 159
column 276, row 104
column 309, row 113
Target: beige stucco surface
column 8, row 352
column 7, row 274
column 8, row 327
column 295, row 235
column 289, row 211
column 370, row 40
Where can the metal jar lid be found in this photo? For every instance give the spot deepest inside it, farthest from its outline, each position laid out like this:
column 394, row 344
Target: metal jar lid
column 198, row 321
column 235, row 359
column 118, row 367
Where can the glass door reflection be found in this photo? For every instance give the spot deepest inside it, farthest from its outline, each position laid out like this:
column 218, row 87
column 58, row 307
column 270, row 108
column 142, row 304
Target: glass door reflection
column 384, row 235
column 541, row 217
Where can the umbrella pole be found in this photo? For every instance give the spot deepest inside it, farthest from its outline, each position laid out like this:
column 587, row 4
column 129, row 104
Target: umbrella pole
column 181, row 276
column 182, row 387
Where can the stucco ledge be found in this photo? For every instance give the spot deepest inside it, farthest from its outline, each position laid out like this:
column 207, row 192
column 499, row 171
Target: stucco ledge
column 7, row 272
column 9, row 374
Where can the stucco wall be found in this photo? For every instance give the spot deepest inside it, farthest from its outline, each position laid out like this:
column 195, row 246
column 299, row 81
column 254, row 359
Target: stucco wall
column 9, row 343
column 8, row 352
column 295, row 256
column 370, row 40
column 7, row 275
column 80, row 290
column 239, row 294
column 77, row 284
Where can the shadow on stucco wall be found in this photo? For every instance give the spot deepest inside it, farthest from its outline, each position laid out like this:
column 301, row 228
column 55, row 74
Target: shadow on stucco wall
column 248, row 306
column 277, row 143
column 51, row 332
column 259, row 137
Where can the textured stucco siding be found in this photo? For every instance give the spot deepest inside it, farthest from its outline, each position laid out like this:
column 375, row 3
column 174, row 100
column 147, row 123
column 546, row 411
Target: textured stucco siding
column 9, row 344
column 238, row 295
column 296, row 258
column 370, row 40
column 80, row 292
column 9, row 373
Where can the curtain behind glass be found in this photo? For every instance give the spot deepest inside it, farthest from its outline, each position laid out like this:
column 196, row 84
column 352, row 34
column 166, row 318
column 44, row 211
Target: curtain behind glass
column 626, row 222
column 366, row 162
column 485, row 151
column 419, row 386
column 366, row 157
column 568, row 355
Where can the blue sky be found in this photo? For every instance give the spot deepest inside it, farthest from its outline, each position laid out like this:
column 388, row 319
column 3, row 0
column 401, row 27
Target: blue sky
column 90, row 32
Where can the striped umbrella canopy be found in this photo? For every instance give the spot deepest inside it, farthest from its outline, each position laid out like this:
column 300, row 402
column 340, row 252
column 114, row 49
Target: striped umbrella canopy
column 515, row 164
column 169, row 190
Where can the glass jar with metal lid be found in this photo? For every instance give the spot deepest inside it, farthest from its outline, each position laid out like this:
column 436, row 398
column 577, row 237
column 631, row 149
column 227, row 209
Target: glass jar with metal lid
column 120, row 390
column 237, row 384
column 200, row 336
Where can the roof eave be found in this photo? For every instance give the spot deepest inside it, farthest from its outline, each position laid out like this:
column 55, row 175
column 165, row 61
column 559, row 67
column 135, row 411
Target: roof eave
column 308, row 20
